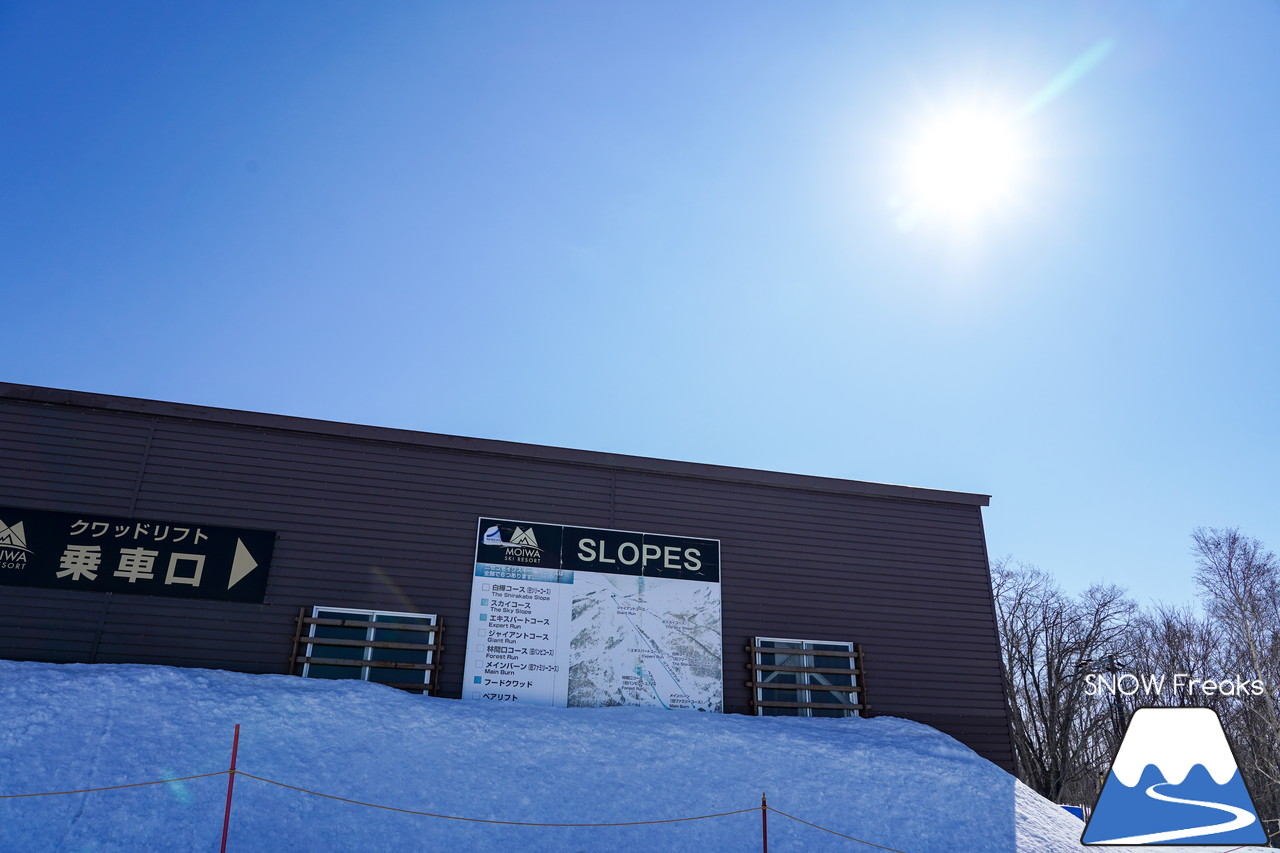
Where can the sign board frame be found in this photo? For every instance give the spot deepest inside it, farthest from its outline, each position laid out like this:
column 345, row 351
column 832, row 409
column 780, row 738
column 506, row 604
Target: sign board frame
column 93, row 552
column 569, row 615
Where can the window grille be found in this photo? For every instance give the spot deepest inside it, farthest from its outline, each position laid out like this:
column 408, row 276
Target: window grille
column 807, row 678
column 396, row 649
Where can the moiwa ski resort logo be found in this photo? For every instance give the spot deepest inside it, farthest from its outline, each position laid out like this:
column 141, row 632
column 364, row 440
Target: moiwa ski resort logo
column 521, row 548
column 13, row 546
column 1175, row 780
column 522, row 538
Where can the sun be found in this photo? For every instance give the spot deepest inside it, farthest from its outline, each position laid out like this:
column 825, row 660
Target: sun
column 965, row 165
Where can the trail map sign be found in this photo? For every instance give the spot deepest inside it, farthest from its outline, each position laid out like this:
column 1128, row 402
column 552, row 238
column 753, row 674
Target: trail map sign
column 584, row 616
column 100, row 553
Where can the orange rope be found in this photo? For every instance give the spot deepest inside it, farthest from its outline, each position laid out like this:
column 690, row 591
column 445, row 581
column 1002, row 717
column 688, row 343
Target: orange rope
column 114, row 787
column 481, row 820
column 833, row 832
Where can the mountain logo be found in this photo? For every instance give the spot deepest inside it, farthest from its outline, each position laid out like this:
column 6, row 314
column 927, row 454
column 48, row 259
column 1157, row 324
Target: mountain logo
column 522, row 538
column 13, row 536
column 1175, row 780
column 525, row 538
column 14, row 553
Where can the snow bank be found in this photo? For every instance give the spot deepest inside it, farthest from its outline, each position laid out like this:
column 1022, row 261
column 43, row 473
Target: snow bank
column 889, row 781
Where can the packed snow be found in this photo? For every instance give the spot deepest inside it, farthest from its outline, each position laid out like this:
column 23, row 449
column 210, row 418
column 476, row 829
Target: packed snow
column 69, row 727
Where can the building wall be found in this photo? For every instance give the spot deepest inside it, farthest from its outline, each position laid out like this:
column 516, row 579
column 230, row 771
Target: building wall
column 386, row 519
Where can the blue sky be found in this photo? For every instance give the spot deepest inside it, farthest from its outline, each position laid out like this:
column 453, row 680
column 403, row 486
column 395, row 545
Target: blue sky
column 680, row 232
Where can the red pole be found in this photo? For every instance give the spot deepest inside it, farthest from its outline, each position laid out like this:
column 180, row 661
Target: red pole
column 231, row 783
column 764, row 823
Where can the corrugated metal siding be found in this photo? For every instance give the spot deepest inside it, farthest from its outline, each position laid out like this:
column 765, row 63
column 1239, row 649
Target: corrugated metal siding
column 55, row 459
column 908, row 580
column 37, row 624
column 389, row 525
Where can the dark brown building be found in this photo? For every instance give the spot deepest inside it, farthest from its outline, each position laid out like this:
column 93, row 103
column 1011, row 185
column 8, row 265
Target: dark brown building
column 293, row 514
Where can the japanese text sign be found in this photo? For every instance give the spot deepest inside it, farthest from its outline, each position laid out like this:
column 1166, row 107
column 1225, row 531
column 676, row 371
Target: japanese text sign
column 98, row 553
column 587, row 616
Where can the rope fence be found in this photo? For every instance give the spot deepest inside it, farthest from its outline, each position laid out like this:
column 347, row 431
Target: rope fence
column 114, row 787
column 761, row 808
column 833, row 832
column 764, row 808
column 484, row 820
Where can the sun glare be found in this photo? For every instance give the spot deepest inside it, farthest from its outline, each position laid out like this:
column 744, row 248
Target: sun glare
column 965, row 165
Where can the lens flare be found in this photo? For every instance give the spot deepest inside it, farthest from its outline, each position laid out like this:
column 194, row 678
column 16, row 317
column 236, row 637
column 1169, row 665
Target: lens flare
column 965, row 164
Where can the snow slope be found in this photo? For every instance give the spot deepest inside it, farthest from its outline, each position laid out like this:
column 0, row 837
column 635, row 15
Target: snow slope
column 889, row 781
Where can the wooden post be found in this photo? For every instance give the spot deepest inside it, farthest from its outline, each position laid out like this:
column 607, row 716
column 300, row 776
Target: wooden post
column 231, row 783
column 297, row 635
column 860, row 664
column 764, row 823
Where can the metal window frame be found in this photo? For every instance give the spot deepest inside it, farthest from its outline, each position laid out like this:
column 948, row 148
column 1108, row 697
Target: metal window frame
column 807, row 654
column 311, row 640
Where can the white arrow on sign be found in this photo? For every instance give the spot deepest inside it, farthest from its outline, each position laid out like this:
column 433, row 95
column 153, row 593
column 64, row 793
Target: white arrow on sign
column 241, row 565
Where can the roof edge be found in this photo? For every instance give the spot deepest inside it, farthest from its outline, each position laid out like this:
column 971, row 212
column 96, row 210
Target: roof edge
column 701, row 470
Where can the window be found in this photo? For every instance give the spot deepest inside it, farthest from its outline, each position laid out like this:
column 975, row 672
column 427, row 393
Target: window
column 807, row 678
column 396, row 649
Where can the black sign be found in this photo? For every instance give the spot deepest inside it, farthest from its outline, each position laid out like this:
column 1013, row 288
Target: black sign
column 594, row 549
column 511, row 543
column 98, row 553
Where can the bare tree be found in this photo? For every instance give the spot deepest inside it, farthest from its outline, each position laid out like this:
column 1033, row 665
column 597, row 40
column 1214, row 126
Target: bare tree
column 1161, row 643
column 1065, row 734
column 1168, row 640
column 1045, row 636
column 1239, row 581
